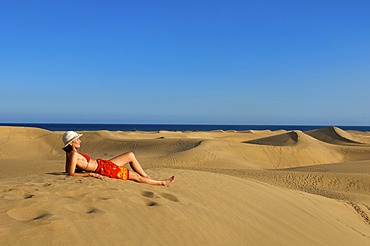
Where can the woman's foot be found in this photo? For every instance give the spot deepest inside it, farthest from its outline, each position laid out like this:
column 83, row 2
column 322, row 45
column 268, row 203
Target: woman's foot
column 168, row 181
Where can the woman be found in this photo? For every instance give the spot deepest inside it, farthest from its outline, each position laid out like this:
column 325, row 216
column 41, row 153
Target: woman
column 78, row 164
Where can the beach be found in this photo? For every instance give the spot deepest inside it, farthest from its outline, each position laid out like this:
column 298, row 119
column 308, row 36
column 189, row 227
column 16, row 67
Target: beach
column 252, row 187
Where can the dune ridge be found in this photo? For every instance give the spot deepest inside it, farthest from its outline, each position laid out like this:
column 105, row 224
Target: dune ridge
column 285, row 139
column 245, row 188
column 336, row 135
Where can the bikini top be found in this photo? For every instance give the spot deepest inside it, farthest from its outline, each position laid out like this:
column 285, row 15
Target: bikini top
column 86, row 157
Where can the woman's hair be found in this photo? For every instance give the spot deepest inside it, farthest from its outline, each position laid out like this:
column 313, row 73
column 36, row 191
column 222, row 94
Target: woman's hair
column 68, row 148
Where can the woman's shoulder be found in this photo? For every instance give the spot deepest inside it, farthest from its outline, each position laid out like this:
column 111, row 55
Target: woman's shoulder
column 72, row 154
column 71, row 157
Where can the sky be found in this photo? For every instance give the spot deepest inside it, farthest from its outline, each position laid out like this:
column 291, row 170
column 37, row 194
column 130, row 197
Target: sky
column 244, row 62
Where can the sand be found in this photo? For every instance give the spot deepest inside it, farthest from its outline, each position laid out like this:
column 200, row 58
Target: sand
column 232, row 188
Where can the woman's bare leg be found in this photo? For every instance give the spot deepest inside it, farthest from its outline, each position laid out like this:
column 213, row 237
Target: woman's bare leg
column 130, row 158
column 138, row 178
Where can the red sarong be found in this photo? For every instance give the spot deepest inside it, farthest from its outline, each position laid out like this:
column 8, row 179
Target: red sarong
column 109, row 169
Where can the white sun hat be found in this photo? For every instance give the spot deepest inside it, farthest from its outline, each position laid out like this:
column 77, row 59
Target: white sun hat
column 69, row 136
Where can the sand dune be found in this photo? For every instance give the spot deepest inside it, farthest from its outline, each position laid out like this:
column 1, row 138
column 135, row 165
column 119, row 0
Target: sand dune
column 234, row 188
column 285, row 139
column 336, row 135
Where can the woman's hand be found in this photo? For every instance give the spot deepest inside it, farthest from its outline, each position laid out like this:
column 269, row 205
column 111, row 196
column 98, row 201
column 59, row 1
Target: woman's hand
column 96, row 175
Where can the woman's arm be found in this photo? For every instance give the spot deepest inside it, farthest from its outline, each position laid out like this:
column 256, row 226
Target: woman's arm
column 71, row 168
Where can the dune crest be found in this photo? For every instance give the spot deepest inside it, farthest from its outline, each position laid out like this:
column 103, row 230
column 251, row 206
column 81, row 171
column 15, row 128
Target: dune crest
column 284, row 139
column 335, row 135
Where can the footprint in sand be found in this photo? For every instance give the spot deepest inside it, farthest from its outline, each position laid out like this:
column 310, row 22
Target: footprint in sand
column 167, row 196
column 14, row 194
column 105, row 198
column 152, row 204
column 170, row 197
column 28, row 214
column 148, row 194
column 83, row 209
column 93, row 211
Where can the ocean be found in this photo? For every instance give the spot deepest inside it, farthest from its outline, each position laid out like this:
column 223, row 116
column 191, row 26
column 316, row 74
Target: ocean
column 172, row 127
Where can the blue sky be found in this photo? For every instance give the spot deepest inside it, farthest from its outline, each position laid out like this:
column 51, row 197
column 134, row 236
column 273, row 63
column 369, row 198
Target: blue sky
column 208, row 62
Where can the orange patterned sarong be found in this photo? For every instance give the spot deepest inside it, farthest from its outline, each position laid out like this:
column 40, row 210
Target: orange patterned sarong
column 109, row 169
